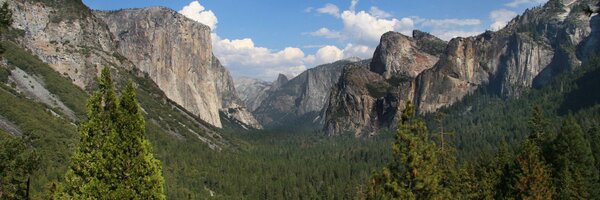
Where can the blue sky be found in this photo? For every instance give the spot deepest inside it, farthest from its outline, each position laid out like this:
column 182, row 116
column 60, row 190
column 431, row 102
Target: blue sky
column 263, row 38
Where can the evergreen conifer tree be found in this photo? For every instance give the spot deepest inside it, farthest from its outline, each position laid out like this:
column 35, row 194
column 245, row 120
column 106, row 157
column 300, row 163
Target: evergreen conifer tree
column 533, row 175
column 113, row 159
column 575, row 174
column 414, row 173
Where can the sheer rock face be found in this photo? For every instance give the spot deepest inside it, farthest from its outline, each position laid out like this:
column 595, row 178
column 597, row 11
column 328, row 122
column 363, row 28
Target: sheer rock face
column 252, row 91
column 231, row 105
column 399, row 55
column 528, row 52
column 77, row 48
column 303, row 96
column 176, row 52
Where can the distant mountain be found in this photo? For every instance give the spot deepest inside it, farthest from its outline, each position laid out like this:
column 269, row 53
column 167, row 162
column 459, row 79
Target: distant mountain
column 531, row 50
column 301, row 98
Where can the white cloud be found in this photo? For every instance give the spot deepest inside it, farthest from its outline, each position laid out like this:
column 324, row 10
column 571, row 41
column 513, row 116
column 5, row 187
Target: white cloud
column 197, row 12
column 309, row 9
column 500, row 18
column 329, row 54
column 353, row 5
column 517, row 3
column 325, row 32
column 364, row 28
column 329, row 9
column 361, row 51
column 449, row 34
column 379, row 13
column 243, row 57
column 450, row 22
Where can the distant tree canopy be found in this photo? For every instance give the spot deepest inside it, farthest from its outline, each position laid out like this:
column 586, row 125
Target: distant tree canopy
column 113, row 159
column 550, row 164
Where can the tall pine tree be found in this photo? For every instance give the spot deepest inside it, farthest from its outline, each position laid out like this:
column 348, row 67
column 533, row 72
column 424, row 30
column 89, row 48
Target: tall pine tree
column 533, row 175
column 113, row 159
column 575, row 174
column 414, row 173
column 138, row 173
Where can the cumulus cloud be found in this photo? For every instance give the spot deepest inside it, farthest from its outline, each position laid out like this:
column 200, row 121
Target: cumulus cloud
column 325, row 32
column 450, row 22
column 517, row 3
column 353, row 5
column 328, row 54
column 500, row 18
column 243, row 57
column 375, row 11
column 329, row 9
column 364, row 28
column 198, row 13
column 449, row 34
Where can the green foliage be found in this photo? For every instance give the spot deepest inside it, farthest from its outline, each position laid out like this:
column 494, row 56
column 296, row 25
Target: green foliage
column 534, row 180
column 18, row 161
column 113, row 159
column 4, row 74
column 414, row 172
column 50, row 136
column 378, row 89
column 5, row 16
column 574, row 163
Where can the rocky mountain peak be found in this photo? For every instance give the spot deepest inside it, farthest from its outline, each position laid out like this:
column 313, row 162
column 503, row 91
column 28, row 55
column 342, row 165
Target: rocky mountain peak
column 429, row 43
column 281, row 80
column 400, row 55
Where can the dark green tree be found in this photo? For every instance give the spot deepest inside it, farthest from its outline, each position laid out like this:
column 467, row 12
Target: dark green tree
column 138, row 173
column 18, row 160
column 533, row 175
column 594, row 135
column 113, row 159
column 5, row 16
column 576, row 176
column 414, row 172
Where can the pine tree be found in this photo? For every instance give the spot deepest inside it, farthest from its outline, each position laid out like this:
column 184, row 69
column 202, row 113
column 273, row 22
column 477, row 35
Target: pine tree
column 113, row 159
column 576, row 176
column 5, row 16
column 137, row 171
column 533, row 177
column 87, row 176
column 414, row 172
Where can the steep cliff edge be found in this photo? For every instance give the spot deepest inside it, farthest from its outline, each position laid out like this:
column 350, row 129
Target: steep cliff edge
column 528, row 52
column 231, row 104
column 176, row 52
column 368, row 96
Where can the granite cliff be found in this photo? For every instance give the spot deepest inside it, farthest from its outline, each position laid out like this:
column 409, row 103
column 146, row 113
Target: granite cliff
column 176, row 52
column 528, row 52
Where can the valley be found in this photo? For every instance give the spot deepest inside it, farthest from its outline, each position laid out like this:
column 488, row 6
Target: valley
column 510, row 113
